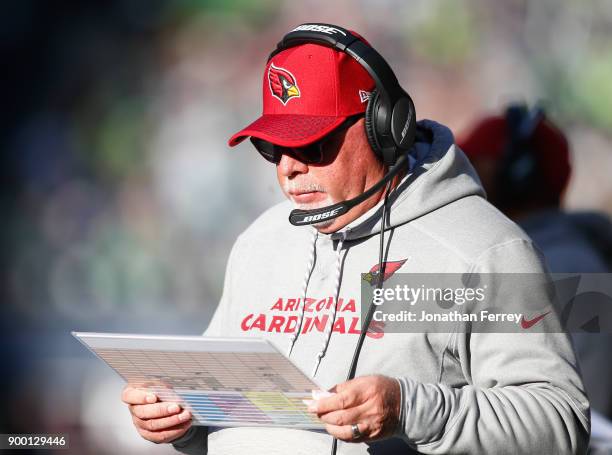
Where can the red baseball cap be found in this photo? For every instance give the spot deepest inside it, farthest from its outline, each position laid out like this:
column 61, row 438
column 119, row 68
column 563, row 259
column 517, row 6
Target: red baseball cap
column 308, row 90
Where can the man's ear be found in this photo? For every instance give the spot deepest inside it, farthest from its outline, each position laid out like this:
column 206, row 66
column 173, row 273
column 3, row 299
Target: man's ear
column 364, row 142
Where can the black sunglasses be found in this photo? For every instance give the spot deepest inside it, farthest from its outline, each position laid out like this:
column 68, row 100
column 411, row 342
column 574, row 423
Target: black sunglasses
column 310, row 154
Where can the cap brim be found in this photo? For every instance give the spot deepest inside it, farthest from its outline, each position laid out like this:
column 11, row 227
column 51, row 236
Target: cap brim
column 288, row 130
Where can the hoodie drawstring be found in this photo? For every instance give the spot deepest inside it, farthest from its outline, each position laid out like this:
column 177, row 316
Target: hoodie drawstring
column 309, row 269
column 329, row 327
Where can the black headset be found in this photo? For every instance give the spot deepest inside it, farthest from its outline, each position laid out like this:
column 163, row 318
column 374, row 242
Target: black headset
column 390, row 121
column 519, row 168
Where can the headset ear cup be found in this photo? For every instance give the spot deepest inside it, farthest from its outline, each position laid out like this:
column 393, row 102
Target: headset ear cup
column 370, row 122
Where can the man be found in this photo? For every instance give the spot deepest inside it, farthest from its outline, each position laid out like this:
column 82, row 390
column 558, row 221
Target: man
column 523, row 161
column 525, row 155
column 299, row 287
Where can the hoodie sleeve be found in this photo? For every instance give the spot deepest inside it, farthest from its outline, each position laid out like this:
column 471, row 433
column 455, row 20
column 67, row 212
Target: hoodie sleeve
column 524, row 393
column 194, row 442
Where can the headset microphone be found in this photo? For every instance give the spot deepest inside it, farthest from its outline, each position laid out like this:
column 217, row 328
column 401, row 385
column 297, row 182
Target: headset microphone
column 299, row 217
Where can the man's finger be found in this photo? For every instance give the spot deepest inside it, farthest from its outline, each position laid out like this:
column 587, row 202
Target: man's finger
column 154, row 411
column 343, row 417
column 345, row 432
column 167, row 435
column 339, row 401
column 163, row 423
column 131, row 395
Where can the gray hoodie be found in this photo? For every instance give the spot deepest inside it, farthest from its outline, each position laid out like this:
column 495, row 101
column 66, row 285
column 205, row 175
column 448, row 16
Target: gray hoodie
column 461, row 392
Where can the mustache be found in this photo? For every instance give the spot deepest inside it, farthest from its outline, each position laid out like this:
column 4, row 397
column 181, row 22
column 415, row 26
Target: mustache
column 302, row 187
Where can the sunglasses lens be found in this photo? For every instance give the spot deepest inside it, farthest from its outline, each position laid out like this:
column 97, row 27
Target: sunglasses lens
column 310, row 154
column 266, row 149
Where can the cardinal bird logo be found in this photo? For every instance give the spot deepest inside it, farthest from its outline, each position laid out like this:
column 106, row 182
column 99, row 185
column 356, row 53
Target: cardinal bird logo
column 389, row 267
column 282, row 84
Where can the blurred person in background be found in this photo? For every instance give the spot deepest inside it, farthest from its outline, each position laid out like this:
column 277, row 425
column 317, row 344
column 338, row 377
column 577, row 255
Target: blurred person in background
column 326, row 126
column 523, row 160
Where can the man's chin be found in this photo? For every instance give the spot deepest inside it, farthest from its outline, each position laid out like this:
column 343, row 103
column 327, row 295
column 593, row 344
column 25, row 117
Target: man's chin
column 312, row 205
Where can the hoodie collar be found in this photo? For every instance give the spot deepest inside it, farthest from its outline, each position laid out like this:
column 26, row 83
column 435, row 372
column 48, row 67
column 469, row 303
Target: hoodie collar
column 440, row 174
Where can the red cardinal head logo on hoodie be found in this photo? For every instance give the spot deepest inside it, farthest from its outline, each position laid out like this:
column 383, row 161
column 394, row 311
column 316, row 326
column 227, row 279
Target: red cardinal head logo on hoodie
column 389, row 267
column 282, row 84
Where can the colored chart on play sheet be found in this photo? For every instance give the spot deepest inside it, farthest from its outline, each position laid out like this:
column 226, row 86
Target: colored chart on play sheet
column 222, row 381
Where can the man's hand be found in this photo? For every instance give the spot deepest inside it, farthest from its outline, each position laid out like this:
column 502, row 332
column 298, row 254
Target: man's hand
column 370, row 402
column 155, row 421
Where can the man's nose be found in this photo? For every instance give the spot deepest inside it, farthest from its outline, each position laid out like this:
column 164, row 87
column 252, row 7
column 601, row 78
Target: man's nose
column 289, row 166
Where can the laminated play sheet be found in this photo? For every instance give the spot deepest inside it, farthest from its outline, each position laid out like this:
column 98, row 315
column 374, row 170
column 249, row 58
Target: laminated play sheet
column 221, row 381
